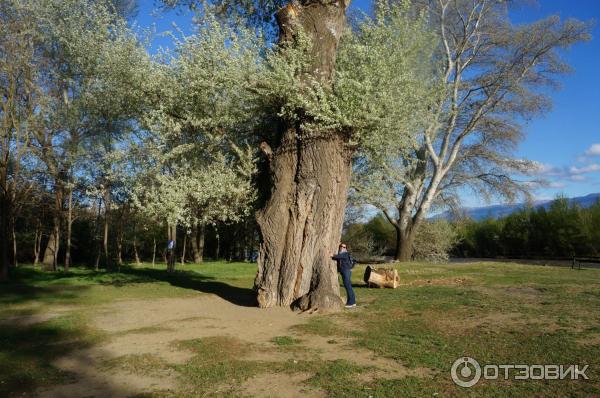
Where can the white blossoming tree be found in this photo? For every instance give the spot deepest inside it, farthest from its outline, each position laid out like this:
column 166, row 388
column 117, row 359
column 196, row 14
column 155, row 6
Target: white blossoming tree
column 196, row 164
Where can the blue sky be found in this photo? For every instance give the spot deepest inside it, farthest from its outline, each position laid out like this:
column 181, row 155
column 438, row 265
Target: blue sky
column 565, row 141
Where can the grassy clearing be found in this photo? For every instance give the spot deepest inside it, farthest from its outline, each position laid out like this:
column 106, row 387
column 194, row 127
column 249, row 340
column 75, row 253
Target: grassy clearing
column 495, row 313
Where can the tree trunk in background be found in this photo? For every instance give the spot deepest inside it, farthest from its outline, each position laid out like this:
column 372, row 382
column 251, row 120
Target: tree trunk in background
column 405, row 238
column 183, row 249
column 4, row 231
column 50, row 261
column 218, row 245
column 407, row 222
column 153, row 251
column 300, row 224
column 11, row 237
column 37, row 242
column 96, row 239
column 405, row 225
column 135, row 249
column 105, row 234
column 15, row 262
column 120, row 248
column 197, row 242
column 405, row 251
column 51, row 252
column 69, row 229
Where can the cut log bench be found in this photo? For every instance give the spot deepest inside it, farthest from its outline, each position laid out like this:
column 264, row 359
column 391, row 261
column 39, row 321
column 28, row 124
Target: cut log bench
column 381, row 277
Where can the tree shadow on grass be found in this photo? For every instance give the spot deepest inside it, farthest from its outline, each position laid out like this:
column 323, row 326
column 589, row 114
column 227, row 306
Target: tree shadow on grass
column 52, row 358
column 26, row 355
column 240, row 296
column 33, row 285
column 19, row 293
column 32, row 340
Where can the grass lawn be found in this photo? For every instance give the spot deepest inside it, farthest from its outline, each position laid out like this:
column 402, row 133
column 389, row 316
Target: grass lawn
column 495, row 313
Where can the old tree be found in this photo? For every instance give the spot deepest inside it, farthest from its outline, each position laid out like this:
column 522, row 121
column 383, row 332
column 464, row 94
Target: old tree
column 300, row 223
column 319, row 94
column 344, row 96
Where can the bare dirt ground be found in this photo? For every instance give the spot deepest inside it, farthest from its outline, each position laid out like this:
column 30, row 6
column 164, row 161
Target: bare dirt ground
column 152, row 327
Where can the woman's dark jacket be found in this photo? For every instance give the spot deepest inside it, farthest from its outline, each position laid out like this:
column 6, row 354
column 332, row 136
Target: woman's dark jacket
column 344, row 260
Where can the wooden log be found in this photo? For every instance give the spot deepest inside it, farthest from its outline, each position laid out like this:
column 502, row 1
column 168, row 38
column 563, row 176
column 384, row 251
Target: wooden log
column 381, row 277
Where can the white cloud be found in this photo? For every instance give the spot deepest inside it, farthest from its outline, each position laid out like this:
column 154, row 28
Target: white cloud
column 557, row 185
column 585, row 169
column 568, row 172
column 560, row 177
column 544, row 169
column 593, row 150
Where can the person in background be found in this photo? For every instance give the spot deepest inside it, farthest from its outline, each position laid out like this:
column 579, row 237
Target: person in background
column 344, row 267
column 170, row 255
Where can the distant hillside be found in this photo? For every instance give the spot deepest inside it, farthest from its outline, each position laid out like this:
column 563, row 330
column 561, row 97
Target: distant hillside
column 499, row 211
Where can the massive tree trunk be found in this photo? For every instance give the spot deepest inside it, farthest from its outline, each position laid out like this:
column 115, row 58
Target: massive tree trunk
column 300, row 223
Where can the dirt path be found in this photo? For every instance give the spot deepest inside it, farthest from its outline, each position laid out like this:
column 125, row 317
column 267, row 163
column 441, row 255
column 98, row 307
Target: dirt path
column 152, row 326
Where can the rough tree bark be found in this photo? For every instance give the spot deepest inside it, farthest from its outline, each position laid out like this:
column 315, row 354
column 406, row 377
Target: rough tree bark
column 300, row 223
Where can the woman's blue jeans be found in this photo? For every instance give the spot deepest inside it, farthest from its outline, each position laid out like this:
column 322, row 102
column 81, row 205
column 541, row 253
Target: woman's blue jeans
column 347, row 279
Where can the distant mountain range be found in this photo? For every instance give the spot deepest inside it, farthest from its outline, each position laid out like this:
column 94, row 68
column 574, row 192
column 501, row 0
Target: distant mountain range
column 499, row 211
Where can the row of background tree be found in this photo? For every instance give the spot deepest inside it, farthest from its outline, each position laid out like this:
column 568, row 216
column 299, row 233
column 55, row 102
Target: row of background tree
column 131, row 237
column 560, row 230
